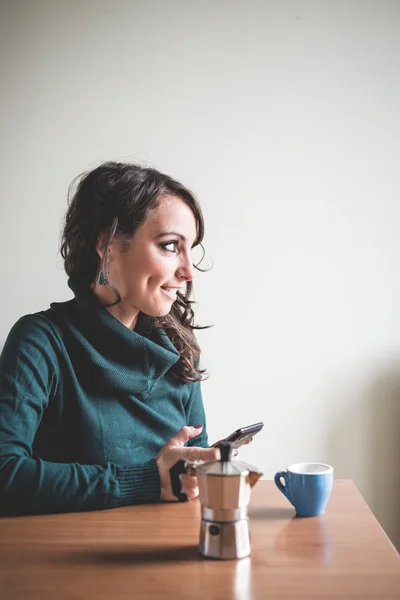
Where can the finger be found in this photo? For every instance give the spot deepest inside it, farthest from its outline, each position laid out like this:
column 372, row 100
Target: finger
column 192, row 493
column 197, row 453
column 190, row 486
column 185, row 434
column 249, row 441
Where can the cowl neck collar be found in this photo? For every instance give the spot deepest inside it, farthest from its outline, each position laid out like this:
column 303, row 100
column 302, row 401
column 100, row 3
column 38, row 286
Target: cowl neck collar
column 115, row 345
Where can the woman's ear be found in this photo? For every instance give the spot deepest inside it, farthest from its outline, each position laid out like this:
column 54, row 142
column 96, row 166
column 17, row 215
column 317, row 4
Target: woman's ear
column 102, row 246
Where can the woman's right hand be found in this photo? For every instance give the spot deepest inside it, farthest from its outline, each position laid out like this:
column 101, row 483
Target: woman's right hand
column 175, row 450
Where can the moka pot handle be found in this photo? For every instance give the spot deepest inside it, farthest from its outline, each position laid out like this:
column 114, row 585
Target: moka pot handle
column 175, row 472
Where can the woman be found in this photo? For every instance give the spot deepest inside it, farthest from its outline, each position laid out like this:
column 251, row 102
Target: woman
column 100, row 395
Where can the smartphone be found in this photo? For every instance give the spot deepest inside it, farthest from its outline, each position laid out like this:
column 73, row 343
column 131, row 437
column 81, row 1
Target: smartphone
column 240, row 436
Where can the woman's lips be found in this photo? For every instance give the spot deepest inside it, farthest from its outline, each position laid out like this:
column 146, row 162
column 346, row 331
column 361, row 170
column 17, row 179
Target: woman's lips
column 170, row 292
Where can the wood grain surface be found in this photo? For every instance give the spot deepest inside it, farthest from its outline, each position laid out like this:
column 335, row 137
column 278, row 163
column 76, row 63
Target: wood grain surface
column 151, row 552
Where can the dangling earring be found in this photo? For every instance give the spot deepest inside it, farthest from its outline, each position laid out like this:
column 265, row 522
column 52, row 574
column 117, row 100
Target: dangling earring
column 102, row 279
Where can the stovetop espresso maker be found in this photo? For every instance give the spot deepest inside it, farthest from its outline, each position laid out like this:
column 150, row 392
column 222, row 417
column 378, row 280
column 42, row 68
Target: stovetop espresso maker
column 224, row 489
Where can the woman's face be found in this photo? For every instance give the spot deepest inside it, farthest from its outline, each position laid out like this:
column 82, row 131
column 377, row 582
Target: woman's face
column 155, row 265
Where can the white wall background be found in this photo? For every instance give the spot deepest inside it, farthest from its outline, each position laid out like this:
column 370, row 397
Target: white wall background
column 283, row 117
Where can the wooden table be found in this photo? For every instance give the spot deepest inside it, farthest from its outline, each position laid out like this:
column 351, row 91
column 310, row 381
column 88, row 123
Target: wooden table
column 151, row 552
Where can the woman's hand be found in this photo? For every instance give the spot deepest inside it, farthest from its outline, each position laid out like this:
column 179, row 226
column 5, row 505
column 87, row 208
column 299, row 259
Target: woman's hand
column 175, row 450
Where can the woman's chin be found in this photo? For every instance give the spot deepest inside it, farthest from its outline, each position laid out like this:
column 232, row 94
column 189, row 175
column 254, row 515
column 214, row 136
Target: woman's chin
column 158, row 312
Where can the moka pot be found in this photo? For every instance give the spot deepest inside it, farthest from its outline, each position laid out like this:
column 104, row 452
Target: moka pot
column 225, row 490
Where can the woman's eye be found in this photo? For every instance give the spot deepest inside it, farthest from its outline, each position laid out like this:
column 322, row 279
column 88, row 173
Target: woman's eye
column 170, row 246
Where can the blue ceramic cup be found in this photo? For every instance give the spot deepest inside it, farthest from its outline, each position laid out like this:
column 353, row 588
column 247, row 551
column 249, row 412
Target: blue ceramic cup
column 307, row 486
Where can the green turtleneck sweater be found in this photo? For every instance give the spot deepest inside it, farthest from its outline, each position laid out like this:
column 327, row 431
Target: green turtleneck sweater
column 85, row 406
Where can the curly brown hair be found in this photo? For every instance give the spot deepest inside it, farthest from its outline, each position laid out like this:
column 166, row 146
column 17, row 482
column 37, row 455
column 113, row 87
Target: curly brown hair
column 110, row 202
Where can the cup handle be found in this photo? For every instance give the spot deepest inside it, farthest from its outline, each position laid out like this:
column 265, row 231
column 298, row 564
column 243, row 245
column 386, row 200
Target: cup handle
column 282, row 488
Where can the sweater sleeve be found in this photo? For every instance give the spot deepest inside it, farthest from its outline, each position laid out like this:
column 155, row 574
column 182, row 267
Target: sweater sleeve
column 29, row 376
column 195, row 415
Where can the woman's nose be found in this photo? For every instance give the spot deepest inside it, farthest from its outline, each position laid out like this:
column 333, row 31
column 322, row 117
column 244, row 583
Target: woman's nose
column 186, row 269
